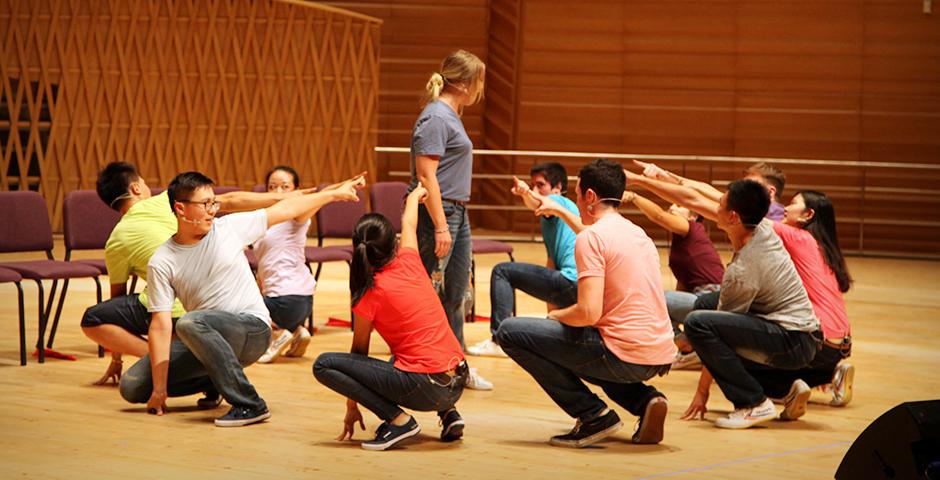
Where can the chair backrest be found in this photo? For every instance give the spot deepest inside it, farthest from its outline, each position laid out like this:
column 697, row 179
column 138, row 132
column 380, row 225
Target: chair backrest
column 87, row 221
column 388, row 198
column 25, row 222
column 337, row 219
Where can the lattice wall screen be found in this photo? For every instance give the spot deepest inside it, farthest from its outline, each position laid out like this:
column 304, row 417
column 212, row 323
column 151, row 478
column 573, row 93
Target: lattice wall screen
column 227, row 87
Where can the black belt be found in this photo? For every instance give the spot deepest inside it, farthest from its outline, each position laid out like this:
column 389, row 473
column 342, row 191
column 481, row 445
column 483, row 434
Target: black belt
column 459, row 203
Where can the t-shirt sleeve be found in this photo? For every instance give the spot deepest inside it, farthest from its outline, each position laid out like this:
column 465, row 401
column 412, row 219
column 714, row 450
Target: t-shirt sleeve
column 737, row 292
column 430, row 136
column 249, row 227
column 160, row 292
column 117, row 262
column 587, row 255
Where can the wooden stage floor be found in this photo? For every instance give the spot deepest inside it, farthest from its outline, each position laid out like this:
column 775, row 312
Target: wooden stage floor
column 55, row 424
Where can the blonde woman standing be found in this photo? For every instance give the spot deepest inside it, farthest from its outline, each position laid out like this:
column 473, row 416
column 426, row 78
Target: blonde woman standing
column 442, row 160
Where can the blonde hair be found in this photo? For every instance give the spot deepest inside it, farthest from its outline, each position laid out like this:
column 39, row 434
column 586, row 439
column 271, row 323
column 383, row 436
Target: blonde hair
column 458, row 68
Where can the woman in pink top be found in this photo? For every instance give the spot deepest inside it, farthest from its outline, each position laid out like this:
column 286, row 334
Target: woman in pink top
column 808, row 232
column 392, row 293
column 283, row 275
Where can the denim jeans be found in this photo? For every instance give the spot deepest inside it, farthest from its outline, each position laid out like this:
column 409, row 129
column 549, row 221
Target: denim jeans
column 381, row 388
column 211, row 350
column 708, row 301
column 542, row 283
column 558, row 357
column 289, row 311
column 125, row 311
column 449, row 274
column 728, row 342
column 777, row 383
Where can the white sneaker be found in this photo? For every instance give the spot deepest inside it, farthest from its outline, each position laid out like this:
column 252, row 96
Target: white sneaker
column 476, row 382
column 299, row 342
column 748, row 417
column 278, row 345
column 687, row 361
column 487, row 348
column 796, row 400
column 842, row 382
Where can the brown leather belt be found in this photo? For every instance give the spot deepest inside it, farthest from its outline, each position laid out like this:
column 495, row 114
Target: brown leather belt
column 459, row 203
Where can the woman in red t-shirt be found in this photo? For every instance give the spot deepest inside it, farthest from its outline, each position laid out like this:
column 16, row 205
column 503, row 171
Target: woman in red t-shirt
column 392, row 293
column 808, row 232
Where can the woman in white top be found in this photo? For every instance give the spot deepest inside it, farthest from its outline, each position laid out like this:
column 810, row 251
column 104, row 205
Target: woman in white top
column 283, row 275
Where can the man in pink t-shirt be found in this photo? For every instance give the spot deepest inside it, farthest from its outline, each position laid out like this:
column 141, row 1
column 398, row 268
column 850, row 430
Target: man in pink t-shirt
column 617, row 335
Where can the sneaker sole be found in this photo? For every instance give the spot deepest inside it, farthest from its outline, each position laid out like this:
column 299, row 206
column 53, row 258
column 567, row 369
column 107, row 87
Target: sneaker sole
column 277, row 353
column 848, row 379
column 653, row 424
column 377, row 447
column 584, row 442
column 454, row 432
column 298, row 349
column 738, row 426
column 243, row 422
column 797, row 408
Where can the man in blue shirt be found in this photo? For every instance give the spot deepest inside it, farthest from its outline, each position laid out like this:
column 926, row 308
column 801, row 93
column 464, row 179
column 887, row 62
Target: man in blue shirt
column 557, row 282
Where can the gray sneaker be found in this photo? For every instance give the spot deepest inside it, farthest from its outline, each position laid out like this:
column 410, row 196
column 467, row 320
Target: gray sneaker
column 794, row 404
column 843, row 380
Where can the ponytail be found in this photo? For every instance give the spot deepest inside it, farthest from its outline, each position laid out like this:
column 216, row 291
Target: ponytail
column 460, row 69
column 374, row 245
column 434, row 87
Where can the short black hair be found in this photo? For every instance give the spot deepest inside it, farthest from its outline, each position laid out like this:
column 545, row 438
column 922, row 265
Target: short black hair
column 290, row 171
column 113, row 182
column 606, row 178
column 183, row 186
column 750, row 200
column 554, row 172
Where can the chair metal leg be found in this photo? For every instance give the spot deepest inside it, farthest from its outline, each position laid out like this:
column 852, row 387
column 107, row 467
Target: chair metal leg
column 19, row 292
column 473, row 285
column 52, row 291
column 98, row 298
column 42, row 325
column 58, row 312
column 133, row 285
column 515, row 300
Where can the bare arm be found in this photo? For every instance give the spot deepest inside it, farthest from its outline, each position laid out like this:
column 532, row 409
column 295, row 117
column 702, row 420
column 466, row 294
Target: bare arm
column 158, row 342
column 426, row 170
column 244, row 201
column 654, row 171
column 521, row 190
column 587, row 311
column 309, row 204
column 362, row 332
column 678, row 194
column 673, row 223
column 549, row 207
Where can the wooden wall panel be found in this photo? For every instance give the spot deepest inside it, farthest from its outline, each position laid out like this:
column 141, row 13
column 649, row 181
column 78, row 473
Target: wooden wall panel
column 228, row 87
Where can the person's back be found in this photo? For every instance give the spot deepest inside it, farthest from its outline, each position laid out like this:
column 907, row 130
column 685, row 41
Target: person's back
column 559, row 239
column 634, row 322
column 693, row 259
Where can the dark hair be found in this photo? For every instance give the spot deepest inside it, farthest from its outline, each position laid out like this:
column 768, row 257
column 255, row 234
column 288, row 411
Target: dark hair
column 113, row 181
column 606, row 178
column 374, row 245
column 554, row 172
column 750, row 200
column 770, row 174
column 184, row 184
column 823, row 228
column 283, row 168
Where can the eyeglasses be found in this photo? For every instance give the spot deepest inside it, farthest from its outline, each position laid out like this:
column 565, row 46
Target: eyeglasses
column 208, row 205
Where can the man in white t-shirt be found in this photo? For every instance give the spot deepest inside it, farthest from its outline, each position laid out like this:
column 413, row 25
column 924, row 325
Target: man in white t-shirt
column 226, row 325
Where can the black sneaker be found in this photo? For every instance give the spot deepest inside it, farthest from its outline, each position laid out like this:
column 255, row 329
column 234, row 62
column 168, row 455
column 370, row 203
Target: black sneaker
column 451, row 425
column 388, row 435
column 209, row 401
column 584, row 434
column 652, row 422
column 241, row 416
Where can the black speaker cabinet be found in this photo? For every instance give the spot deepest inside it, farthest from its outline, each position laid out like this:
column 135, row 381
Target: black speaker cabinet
column 904, row 443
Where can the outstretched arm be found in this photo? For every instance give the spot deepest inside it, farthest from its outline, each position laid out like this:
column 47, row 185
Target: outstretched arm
column 409, row 218
column 673, row 223
column 549, row 207
column 309, row 204
column 521, row 190
column 654, row 171
column 678, row 194
column 362, row 331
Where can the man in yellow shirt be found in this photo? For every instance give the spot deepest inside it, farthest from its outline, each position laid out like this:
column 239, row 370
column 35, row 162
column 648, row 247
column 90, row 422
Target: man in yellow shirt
column 147, row 221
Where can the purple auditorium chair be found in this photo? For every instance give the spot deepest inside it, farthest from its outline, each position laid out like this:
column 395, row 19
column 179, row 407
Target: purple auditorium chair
column 482, row 246
column 388, row 198
column 26, row 226
column 10, row 276
column 87, row 223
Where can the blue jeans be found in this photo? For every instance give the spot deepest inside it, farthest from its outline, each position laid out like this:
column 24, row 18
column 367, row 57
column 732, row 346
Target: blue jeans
column 449, row 274
column 542, row 283
column 211, row 349
column 728, row 343
column 289, row 311
column 558, row 357
column 381, row 388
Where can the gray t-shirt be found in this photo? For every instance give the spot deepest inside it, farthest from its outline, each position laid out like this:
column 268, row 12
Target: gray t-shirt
column 439, row 131
column 762, row 281
column 212, row 274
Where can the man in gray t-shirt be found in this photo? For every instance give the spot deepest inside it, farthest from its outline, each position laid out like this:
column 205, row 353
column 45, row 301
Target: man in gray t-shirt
column 227, row 325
